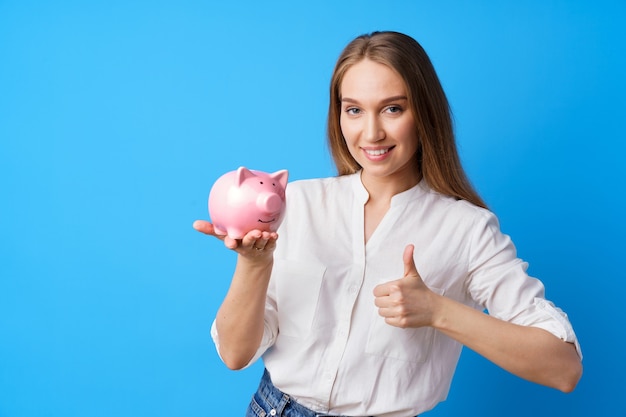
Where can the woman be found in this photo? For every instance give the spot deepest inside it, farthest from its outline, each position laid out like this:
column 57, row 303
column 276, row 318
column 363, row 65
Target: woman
column 382, row 273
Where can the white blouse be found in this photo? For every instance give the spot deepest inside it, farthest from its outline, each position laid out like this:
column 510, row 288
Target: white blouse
column 324, row 342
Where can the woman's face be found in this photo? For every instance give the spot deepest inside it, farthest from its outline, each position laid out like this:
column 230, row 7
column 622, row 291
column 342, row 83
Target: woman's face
column 377, row 122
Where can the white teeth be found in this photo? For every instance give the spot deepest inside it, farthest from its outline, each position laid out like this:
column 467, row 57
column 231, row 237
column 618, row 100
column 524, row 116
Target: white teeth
column 376, row 152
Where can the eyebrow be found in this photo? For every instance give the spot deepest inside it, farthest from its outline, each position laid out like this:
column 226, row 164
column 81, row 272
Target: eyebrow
column 387, row 100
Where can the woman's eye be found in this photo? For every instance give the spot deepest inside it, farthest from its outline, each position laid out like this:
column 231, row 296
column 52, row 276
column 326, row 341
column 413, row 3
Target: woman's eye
column 353, row 111
column 394, row 109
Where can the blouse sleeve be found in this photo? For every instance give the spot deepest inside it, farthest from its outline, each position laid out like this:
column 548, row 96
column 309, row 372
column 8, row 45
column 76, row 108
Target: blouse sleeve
column 499, row 283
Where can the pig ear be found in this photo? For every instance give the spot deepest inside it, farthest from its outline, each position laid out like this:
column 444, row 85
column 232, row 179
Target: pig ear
column 242, row 174
column 281, row 177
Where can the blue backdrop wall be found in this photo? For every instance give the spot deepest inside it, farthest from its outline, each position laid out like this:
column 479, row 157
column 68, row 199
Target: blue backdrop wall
column 116, row 117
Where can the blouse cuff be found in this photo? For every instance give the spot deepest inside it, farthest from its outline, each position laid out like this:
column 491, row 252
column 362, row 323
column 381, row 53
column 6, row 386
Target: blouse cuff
column 262, row 348
column 545, row 315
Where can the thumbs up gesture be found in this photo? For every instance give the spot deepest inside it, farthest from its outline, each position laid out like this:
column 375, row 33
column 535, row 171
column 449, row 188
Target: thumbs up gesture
column 406, row 302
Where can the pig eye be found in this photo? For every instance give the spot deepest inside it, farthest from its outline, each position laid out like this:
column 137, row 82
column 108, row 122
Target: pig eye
column 261, row 182
column 273, row 185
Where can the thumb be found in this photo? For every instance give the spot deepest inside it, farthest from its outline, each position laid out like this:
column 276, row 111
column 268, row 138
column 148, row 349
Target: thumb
column 409, row 262
column 203, row 226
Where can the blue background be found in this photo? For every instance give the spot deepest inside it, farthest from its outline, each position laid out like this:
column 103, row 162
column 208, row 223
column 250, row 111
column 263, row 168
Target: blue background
column 116, row 117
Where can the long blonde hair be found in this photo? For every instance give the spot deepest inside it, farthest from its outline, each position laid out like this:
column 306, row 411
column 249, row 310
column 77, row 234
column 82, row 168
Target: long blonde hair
column 437, row 154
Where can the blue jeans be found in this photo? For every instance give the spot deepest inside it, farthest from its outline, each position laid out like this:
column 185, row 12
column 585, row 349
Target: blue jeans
column 269, row 401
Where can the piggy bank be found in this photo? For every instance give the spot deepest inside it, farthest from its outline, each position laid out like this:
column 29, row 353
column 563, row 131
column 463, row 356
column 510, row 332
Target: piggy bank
column 245, row 200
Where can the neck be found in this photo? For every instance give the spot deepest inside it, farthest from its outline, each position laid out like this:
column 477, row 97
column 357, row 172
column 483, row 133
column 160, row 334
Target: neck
column 384, row 188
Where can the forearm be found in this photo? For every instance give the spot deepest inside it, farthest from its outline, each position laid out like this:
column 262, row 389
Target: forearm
column 528, row 352
column 240, row 319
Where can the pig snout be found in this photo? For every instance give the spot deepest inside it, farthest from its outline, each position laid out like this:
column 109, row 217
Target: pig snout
column 269, row 203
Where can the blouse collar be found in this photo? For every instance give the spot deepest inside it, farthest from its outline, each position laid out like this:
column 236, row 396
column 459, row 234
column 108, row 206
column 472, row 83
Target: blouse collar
column 399, row 199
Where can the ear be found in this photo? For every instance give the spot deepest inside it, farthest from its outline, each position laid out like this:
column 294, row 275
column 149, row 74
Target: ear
column 281, row 176
column 242, row 174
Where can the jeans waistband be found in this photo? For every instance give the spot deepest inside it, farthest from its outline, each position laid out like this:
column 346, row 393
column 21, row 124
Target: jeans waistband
column 282, row 404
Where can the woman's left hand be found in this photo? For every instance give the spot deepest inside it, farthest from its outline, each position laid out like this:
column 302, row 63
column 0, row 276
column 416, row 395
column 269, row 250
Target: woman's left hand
column 529, row 352
column 406, row 302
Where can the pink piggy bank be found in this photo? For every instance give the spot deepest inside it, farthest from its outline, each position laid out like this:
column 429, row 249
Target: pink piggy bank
column 245, row 200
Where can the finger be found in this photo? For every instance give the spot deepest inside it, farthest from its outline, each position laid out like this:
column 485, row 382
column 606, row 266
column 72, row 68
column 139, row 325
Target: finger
column 409, row 263
column 231, row 243
column 251, row 238
column 383, row 312
column 262, row 242
column 382, row 290
column 203, row 226
column 271, row 241
column 383, row 302
column 387, row 312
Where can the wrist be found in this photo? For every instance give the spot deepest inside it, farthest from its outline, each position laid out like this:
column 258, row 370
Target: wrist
column 255, row 266
column 439, row 319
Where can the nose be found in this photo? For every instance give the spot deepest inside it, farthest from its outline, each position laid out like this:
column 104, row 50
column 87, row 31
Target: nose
column 268, row 202
column 373, row 129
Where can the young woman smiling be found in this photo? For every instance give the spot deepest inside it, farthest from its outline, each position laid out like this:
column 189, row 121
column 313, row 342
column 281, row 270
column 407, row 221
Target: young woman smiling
column 382, row 273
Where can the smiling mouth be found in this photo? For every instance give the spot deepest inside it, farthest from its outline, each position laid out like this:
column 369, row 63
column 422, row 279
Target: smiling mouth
column 268, row 221
column 377, row 152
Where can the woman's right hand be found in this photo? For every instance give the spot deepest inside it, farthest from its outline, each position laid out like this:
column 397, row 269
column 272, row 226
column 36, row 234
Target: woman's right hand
column 256, row 245
column 240, row 318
